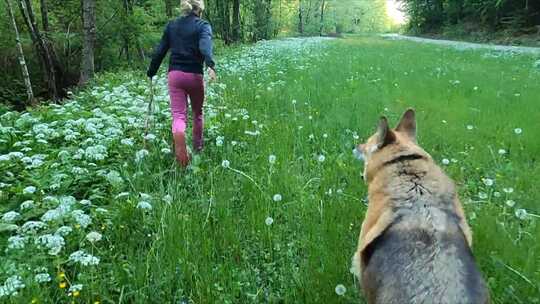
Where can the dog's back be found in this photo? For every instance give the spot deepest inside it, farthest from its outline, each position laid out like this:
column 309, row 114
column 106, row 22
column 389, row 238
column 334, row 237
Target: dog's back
column 423, row 257
column 415, row 243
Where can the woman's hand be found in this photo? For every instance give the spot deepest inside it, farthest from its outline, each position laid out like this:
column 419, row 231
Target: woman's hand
column 212, row 74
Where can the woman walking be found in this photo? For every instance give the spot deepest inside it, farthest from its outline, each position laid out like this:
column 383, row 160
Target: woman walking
column 190, row 40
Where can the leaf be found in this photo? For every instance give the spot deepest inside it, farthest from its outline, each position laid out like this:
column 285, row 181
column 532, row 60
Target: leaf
column 8, row 227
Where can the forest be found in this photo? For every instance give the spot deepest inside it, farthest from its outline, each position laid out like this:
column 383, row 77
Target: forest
column 52, row 47
column 515, row 16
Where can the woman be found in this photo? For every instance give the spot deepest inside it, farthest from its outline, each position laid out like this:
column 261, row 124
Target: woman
column 190, row 40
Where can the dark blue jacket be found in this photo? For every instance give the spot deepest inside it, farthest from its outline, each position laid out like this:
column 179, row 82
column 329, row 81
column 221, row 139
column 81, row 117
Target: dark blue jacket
column 190, row 40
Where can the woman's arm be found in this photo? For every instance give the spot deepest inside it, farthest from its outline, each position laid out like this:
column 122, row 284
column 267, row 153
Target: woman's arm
column 159, row 53
column 205, row 45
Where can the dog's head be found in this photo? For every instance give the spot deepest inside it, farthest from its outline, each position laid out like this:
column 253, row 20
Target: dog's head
column 387, row 143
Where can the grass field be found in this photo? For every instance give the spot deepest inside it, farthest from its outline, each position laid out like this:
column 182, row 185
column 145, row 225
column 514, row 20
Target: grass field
column 271, row 211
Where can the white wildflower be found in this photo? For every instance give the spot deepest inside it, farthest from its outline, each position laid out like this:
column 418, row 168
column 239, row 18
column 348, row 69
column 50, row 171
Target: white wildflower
column 502, row 151
column 10, row 217
column 93, row 237
column 127, row 141
column 75, row 287
column 219, row 141
column 42, row 278
column 29, row 190
column 482, row 195
column 470, row 127
column 166, row 151
column 140, row 155
column 144, row 205
column 53, row 242
column 83, row 258
column 11, row 286
column 321, row 158
column 272, row 159
column 32, row 227
column 27, row 205
column 277, row 197
column 446, row 161
column 64, row 230
column 81, row 218
column 518, row 131
column 17, row 242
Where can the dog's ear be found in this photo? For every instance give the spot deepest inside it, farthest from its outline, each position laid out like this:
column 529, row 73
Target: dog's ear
column 407, row 125
column 385, row 136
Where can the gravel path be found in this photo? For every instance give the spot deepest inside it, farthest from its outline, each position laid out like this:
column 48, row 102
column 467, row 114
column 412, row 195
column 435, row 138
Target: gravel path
column 467, row 45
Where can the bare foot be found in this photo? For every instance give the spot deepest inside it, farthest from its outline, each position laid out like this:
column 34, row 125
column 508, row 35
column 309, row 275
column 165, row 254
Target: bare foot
column 180, row 149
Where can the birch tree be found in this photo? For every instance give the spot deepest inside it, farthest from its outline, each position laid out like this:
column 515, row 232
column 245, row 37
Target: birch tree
column 22, row 61
column 89, row 30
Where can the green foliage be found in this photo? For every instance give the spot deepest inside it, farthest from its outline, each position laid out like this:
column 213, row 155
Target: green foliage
column 431, row 15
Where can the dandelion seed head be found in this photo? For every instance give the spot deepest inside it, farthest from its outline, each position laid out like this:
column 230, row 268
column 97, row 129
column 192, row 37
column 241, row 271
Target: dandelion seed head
column 521, row 214
column 225, row 164
column 269, row 221
column 340, row 290
column 510, row 203
column 488, row 181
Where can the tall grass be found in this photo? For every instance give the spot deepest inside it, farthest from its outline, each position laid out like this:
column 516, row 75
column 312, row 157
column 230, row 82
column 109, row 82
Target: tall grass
column 241, row 228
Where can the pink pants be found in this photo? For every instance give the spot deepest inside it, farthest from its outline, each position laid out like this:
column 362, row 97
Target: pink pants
column 182, row 85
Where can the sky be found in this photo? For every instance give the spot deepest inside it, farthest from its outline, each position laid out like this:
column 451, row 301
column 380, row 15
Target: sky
column 393, row 10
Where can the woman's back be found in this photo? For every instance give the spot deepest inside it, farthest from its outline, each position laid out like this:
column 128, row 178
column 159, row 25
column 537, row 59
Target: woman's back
column 190, row 40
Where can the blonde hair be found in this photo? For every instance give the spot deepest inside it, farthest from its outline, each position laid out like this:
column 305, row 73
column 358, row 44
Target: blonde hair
column 189, row 6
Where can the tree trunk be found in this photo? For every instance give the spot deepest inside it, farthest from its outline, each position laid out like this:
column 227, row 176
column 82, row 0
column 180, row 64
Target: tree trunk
column 46, row 54
column 323, row 4
column 89, row 31
column 44, row 17
column 300, row 18
column 22, row 61
column 236, row 30
column 169, row 8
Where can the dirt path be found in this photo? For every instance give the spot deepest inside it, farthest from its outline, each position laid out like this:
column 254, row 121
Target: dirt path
column 467, row 45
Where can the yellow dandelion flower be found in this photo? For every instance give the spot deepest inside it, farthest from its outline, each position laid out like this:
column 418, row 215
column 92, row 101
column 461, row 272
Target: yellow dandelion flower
column 61, row 275
column 62, row 285
column 76, row 293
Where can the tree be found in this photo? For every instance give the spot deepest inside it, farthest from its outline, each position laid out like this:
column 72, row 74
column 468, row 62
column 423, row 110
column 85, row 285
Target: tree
column 169, row 8
column 89, row 31
column 236, row 29
column 22, row 61
column 323, row 4
column 300, row 17
column 49, row 61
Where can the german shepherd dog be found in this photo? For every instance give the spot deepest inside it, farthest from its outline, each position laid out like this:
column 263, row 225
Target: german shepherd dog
column 415, row 243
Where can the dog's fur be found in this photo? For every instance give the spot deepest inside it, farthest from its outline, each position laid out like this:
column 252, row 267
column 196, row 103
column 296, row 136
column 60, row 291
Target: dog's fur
column 415, row 243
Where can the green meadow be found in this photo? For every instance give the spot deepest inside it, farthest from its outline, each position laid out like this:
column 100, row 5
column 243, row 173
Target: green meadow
column 270, row 212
